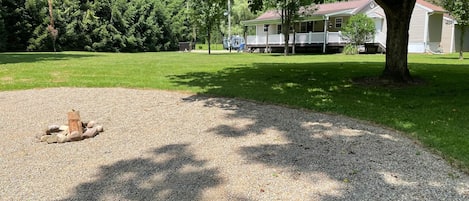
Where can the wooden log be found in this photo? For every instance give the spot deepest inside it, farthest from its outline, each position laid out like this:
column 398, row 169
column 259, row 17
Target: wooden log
column 74, row 122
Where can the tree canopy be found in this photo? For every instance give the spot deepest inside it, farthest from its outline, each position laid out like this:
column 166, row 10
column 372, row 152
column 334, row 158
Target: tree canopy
column 109, row 25
column 206, row 15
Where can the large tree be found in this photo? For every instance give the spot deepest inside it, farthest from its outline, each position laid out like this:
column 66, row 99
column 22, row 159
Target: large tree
column 459, row 10
column 398, row 14
column 21, row 17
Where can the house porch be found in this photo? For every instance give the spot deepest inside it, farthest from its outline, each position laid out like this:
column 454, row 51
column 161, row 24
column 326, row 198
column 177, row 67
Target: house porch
column 309, row 42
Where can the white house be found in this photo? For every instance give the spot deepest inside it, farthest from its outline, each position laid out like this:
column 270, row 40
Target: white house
column 321, row 31
column 451, row 36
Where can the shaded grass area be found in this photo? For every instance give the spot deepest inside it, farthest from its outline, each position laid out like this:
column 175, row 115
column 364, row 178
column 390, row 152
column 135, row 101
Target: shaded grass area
column 435, row 113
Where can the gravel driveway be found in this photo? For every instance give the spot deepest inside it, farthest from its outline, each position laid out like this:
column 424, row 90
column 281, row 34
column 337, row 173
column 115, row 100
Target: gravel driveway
column 160, row 145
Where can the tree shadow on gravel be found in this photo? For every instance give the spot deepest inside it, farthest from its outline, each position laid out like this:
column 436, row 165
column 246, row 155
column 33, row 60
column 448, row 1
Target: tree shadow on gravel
column 365, row 161
column 172, row 173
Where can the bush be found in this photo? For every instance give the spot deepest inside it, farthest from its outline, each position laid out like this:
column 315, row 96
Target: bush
column 359, row 29
column 350, row 49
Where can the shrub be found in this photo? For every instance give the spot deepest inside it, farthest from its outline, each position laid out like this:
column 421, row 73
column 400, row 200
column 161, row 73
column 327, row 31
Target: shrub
column 350, row 49
column 359, row 29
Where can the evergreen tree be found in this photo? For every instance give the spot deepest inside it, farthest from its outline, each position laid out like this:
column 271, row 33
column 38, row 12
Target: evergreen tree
column 70, row 21
column 2, row 28
column 105, row 25
column 37, row 17
column 17, row 27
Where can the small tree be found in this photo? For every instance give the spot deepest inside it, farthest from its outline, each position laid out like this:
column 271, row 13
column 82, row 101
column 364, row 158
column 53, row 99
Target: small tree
column 359, row 29
column 53, row 32
column 207, row 15
column 459, row 9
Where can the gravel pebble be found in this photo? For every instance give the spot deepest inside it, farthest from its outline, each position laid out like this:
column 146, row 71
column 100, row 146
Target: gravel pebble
column 161, row 145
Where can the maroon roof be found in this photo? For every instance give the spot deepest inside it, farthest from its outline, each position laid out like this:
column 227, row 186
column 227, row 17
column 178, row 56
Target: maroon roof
column 323, row 9
column 271, row 14
column 340, row 6
column 431, row 6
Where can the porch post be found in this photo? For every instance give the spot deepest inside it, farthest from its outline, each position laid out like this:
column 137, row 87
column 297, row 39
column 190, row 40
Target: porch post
column 325, row 34
column 266, row 42
column 425, row 34
column 294, row 41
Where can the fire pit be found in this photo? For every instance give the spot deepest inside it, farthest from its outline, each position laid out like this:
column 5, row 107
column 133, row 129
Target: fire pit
column 76, row 130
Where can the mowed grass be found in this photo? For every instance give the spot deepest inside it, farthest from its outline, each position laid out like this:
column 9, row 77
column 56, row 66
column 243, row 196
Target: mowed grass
column 213, row 46
column 435, row 113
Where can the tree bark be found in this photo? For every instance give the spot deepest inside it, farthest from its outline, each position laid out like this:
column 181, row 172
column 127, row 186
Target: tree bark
column 285, row 31
column 461, row 42
column 293, row 48
column 398, row 14
column 208, row 40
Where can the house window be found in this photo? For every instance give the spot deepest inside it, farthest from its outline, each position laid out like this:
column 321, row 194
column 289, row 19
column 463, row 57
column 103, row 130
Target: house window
column 310, row 27
column 279, row 29
column 303, row 27
column 338, row 22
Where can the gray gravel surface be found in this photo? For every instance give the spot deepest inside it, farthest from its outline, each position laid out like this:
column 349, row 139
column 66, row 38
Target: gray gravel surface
column 160, row 145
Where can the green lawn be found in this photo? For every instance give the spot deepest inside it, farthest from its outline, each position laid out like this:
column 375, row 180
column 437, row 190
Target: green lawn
column 435, row 113
column 215, row 46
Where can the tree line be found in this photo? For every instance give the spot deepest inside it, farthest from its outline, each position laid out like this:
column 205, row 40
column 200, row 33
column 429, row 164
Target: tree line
column 112, row 25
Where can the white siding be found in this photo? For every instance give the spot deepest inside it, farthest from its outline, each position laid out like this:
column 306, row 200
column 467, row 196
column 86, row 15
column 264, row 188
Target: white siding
column 260, row 30
column 380, row 24
column 417, row 25
column 447, row 36
column 385, row 26
column 416, row 47
column 434, row 28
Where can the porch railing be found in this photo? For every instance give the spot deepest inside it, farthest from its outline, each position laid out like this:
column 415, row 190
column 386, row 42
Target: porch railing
column 301, row 38
column 307, row 38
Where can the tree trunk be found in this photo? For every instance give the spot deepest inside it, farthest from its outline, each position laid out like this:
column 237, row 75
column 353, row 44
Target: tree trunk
column 398, row 14
column 285, row 31
column 293, row 49
column 286, row 39
column 461, row 42
column 208, row 40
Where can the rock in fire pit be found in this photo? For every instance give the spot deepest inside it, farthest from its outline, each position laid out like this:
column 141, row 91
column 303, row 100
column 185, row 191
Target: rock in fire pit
column 76, row 130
